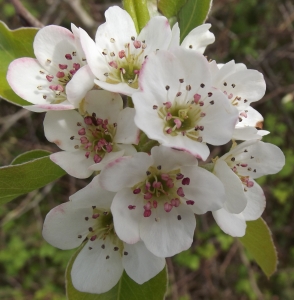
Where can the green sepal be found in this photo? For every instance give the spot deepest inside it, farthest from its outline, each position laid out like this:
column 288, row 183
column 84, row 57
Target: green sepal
column 14, row 44
column 259, row 243
column 138, row 10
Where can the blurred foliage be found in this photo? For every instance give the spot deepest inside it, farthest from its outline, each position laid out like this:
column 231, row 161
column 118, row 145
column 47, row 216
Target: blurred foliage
column 259, row 34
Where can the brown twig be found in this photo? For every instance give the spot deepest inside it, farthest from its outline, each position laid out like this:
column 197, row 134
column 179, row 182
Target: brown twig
column 25, row 14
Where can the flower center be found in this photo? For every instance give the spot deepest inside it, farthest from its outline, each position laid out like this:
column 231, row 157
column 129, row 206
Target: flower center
column 55, row 92
column 96, row 137
column 125, row 64
column 161, row 188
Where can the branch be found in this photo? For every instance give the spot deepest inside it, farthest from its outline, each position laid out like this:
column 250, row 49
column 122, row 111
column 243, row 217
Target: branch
column 25, row 14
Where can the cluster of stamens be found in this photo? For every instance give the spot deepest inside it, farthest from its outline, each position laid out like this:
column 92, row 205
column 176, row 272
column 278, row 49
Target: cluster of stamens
column 63, row 75
column 96, row 137
column 161, row 188
column 125, row 64
column 183, row 115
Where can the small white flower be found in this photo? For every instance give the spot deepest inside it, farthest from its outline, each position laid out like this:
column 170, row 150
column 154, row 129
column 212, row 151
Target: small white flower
column 103, row 133
column 178, row 106
column 245, row 200
column 47, row 80
column 100, row 264
column 157, row 197
column 242, row 87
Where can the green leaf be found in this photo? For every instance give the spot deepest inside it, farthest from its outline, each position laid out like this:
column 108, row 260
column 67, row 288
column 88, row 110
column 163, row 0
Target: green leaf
column 170, row 8
column 259, row 243
column 16, row 180
column 193, row 14
column 13, row 44
column 138, row 10
column 125, row 289
column 30, row 155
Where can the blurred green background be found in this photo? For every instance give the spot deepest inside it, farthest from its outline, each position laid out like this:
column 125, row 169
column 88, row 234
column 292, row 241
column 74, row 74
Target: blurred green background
column 257, row 33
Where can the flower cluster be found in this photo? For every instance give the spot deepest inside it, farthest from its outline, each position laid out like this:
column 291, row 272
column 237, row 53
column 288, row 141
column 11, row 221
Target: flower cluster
column 154, row 169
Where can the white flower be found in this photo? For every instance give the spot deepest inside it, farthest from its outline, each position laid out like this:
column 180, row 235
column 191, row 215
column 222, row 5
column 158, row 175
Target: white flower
column 157, row 197
column 119, row 52
column 47, row 81
column 245, row 200
column 178, row 106
column 99, row 265
column 103, row 133
column 117, row 56
column 242, row 87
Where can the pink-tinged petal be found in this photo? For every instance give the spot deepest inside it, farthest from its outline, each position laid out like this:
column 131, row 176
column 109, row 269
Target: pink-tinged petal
column 51, row 44
column 168, row 233
column 231, row 224
column 125, row 171
column 121, row 87
column 247, row 133
column 74, row 163
column 140, row 264
column 171, row 159
column 61, row 126
column 109, row 157
column 126, row 220
column 127, row 132
column 95, row 58
column 92, row 195
column 199, row 190
column 161, row 39
column 49, row 107
column 175, row 39
column 96, row 270
column 65, row 227
column 104, row 104
column 249, row 117
column 256, row 202
column 199, row 38
column 79, row 85
column 236, row 200
column 24, row 77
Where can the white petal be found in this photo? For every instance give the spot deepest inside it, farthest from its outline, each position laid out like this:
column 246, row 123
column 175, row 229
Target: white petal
column 126, row 221
column 200, row 191
column 125, row 171
column 119, row 26
column 236, row 200
column 24, row 78
column 53, row 43
column 65, row 227
column 168, row 233
column 231, row 224
column 246, row 133
column 76, row 33
column 140, row 264
column 128, row 149
column 256, row 202
column 161, row 39
column 109, row 157
column 253, row 117
column 104, row 104
column 175, row 39
column 171, row 159
column 127, row 132
column 74, row 163
column 121, row 87
column 60, row 126
column 49, row 107
column 199, row 38
column 92, row 195
column 79, row 85
column 92, row 272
